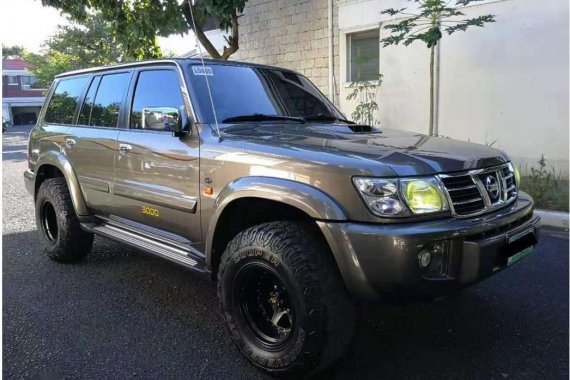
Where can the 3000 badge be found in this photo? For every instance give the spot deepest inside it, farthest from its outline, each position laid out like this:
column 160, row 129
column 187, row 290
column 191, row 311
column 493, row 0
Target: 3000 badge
column 150, row 211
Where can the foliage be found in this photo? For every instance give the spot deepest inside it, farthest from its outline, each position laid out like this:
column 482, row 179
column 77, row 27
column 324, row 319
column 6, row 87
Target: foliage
column 75, row 47
column 427, row 25
column 364, row 92
column 12, row 52
column 549, row 190
column 434, row 17
column 137, row 23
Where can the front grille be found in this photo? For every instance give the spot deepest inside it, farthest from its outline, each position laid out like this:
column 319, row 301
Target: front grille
column 478, row 191
column 464, row 194
column 509, row 176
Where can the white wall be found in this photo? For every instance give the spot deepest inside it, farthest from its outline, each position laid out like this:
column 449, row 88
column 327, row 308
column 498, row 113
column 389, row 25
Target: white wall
column 506, row 82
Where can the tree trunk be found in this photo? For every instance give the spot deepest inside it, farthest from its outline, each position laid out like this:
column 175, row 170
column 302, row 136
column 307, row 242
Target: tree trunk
column 232, row 40
column 431, row 89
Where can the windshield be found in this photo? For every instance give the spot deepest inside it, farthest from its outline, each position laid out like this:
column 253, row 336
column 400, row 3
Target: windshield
column 253, row 91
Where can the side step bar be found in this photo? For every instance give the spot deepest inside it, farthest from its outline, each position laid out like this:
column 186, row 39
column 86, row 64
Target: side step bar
column 146, row 243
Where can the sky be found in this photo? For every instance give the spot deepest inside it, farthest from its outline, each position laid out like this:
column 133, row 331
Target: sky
column 41, row 22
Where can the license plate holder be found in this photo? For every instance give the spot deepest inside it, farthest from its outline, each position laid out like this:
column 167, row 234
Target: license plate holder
column 520, row 245
column 520, row 255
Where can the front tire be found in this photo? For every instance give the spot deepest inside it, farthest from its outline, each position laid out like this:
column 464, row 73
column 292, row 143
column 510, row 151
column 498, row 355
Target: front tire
column 59, row 229
column 283, row 298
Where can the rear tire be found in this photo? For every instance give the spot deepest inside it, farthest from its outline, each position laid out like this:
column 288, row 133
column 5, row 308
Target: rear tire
column 283, row 298
column 59, row 230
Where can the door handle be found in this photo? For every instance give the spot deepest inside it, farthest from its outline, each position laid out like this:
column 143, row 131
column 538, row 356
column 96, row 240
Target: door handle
column 70, row 143
column 125, row 148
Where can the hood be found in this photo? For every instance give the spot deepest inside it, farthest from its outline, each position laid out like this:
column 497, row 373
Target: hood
column 405, row 153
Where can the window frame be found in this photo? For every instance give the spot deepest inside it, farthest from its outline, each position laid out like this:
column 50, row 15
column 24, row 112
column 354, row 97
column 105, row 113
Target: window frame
column 30, row 85
column 349, row 36
column 16, row 81
column 95, row 77
column 121, row 117
column 133, row 87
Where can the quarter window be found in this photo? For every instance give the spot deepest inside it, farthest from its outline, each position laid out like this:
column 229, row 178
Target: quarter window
column 64, row 100
column 363, row 56
column 108, row 100
column 155, row 88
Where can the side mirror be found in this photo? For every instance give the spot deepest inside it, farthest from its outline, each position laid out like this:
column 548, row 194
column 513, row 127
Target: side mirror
column 166, row 119
column 161, row 118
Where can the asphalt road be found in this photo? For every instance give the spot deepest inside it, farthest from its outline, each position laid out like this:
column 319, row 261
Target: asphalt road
column 125, row 314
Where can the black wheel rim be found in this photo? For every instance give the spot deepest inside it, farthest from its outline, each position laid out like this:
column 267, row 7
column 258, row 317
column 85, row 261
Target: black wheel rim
column 49, row 221
column 265, row 305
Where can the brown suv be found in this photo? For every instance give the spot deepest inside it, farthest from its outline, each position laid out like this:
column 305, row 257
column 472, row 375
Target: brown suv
column 248, row 174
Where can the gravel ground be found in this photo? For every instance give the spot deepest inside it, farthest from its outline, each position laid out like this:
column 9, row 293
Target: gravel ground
column 124, row 314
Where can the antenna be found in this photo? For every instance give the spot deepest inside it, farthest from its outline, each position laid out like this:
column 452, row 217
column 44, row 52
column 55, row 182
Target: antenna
column 205, row 74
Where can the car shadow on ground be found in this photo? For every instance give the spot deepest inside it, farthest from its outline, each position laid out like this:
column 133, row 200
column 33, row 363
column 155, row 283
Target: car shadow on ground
column 476, row 333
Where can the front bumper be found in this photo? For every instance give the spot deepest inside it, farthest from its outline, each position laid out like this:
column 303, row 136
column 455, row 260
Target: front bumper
column 381, row 261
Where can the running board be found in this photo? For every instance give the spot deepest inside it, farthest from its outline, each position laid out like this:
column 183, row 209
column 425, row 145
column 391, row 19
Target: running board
column 159, row 248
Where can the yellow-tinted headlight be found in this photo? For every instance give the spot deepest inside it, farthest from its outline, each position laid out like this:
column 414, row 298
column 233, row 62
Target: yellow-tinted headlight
column 517, row 176
column 423, row 195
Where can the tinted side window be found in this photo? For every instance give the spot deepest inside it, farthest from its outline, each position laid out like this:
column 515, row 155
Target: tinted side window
column 155, row 88
column 64, row 100
column 107, row 104
column 88, row 102
column 297, row 93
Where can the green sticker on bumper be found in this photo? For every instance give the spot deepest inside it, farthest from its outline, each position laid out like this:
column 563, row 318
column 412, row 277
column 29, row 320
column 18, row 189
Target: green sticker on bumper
column 517, row 256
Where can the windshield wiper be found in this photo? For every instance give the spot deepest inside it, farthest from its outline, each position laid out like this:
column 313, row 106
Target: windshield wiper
column 261, row 117
column 326, row 117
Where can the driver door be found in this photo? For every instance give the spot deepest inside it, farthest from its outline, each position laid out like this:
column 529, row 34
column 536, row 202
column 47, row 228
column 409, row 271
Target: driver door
column 157, row 174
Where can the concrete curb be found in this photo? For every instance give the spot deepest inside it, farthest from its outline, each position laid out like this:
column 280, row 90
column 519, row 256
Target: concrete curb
column 555, row 219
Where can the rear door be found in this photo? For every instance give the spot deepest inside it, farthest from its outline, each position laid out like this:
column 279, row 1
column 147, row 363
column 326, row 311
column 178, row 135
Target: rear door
column 157, row 174
column 92, row 142
column 53, row 129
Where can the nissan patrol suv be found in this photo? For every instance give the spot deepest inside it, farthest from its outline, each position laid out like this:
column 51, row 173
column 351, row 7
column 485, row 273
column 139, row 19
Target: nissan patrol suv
column 249, row 175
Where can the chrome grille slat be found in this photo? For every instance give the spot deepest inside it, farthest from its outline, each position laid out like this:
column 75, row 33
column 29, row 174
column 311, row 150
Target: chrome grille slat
column 463, row 188
column 467, row 201
column 468, row 195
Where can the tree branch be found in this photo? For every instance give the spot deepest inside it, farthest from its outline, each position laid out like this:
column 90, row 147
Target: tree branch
column 200, row 35
column 233, row 40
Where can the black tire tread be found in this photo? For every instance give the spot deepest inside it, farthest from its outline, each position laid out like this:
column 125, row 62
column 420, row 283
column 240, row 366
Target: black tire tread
column 309, row 258
column 73, row 243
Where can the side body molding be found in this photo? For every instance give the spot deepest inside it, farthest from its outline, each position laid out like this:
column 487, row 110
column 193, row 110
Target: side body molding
column 314, row 202
column 59, row 160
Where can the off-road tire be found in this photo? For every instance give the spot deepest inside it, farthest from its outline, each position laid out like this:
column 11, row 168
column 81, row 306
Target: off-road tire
column 69, row 243
column 323, row 311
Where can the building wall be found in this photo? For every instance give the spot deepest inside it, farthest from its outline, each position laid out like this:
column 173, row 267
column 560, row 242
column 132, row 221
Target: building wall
column 506, row 83
column 16, row 89
column 292, row 34
column 15, row 98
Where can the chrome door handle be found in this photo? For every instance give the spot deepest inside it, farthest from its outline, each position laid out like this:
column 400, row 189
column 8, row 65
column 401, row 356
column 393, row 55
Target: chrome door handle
column 70, row 143
column 125, row 148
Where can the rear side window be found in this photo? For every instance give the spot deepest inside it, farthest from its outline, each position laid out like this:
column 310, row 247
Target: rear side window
column 155, row 88
column 108, row 100
column 85, row 113
column 64, row 100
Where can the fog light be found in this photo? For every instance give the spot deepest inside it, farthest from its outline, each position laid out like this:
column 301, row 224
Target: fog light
column 424, row 257
column 433, row 257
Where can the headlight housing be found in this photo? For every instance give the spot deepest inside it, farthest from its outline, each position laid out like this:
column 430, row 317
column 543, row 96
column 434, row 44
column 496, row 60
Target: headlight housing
column 514, row 169
column 402, row 197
